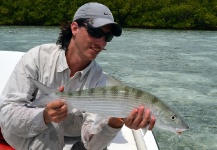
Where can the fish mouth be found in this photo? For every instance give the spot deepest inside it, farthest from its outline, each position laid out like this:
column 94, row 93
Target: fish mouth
column 180, row 131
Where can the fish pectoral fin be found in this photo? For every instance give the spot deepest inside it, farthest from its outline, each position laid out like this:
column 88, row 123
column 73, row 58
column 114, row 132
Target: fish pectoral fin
column 40, row 102
column 46, row 90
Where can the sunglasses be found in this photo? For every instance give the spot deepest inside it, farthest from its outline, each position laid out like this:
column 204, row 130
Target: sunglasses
column 98, row 32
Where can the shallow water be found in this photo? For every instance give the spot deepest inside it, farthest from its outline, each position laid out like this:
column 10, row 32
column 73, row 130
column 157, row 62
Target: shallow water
column 178, row 66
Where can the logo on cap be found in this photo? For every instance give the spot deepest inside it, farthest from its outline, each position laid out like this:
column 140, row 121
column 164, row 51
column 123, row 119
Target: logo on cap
column 106, row 13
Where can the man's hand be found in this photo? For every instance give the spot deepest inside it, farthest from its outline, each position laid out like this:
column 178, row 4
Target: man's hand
column 55, row 111
column 140, row 118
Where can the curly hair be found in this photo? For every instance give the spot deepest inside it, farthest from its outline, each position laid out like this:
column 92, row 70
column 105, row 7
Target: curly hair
column 65, row 34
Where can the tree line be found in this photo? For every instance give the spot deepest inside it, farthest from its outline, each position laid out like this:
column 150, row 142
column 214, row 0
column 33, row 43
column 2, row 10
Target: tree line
column 172, row 14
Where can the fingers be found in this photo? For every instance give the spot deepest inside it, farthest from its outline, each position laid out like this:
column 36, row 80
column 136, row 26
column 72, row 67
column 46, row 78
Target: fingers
column 55, row 104
column 140, row 118
column 61, row 88
column 152, row 123
column 55, row 111
column 129, row 120
column 147, row 116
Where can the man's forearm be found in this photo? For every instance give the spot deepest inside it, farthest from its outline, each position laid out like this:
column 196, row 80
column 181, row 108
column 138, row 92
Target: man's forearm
column 115, row 122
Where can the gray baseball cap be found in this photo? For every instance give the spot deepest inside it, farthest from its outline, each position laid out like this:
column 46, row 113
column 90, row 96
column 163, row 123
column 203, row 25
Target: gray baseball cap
column 99, row 15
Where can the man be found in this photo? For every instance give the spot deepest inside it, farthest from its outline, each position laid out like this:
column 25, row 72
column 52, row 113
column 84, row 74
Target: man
column 71, row 63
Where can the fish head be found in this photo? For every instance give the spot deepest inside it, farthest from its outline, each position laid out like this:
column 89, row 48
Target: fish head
column 169, row 119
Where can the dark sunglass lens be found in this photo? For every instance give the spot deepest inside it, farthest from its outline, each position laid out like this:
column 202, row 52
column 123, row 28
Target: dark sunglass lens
column 96, row 33
column 108, row 37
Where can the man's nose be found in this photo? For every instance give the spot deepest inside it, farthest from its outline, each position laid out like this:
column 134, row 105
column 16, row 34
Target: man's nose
column 101, row 41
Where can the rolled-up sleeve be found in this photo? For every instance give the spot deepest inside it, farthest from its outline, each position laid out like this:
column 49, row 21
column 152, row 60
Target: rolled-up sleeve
column 97, row 136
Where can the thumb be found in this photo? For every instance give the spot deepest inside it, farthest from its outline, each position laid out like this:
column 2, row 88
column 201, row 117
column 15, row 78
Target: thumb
column 61, row 88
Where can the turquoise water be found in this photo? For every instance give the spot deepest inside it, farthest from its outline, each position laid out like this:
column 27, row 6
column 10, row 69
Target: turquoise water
column 178, row 66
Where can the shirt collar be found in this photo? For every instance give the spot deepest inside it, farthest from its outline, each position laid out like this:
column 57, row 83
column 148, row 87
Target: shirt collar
column 62, row 65
column 62, row 62
column 86, row 71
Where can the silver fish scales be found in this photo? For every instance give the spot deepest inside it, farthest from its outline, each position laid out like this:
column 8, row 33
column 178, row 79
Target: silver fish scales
column 118, row 101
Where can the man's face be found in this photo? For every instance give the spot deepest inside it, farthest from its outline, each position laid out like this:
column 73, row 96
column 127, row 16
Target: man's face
column 88, row 46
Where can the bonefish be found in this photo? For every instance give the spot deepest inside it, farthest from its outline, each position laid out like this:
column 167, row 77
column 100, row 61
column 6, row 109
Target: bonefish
column 118, row 101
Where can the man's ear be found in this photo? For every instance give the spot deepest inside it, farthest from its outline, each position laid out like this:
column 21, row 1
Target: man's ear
column 74, row 28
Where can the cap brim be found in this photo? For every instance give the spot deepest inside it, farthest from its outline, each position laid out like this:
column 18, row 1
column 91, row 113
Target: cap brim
column 99, row 22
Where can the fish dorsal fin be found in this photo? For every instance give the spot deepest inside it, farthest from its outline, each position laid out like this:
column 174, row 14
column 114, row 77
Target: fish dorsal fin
column 46, row 90
column 111, row 81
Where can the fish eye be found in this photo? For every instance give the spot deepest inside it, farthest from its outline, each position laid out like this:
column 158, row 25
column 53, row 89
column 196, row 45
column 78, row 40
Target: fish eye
column 173, row 117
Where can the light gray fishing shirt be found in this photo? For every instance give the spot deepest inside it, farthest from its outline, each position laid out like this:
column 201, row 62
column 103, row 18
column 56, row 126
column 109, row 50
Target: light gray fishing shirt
column 47, row 64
